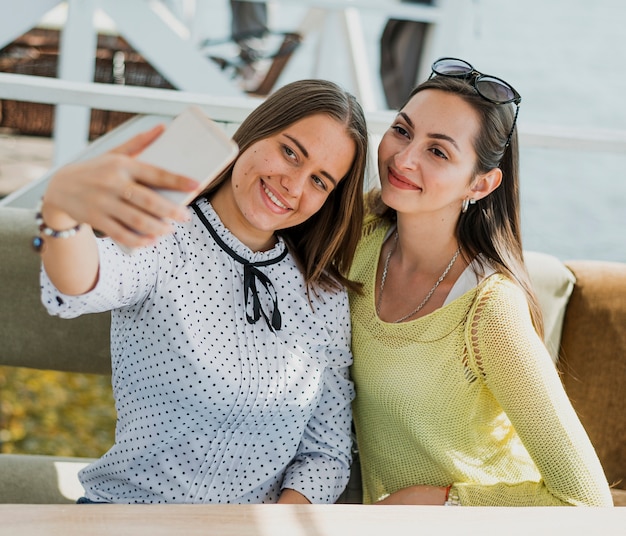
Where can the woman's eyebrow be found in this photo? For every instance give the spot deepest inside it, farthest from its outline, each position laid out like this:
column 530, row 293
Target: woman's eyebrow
column 300, row 146
column 407, row 119
column 445, row 137
column 330, row 178
column 432, row 134
column 306, row 155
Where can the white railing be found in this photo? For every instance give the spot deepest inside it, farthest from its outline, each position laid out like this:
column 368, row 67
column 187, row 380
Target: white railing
column 163, row 40
column 231, row 111
column 234, row 109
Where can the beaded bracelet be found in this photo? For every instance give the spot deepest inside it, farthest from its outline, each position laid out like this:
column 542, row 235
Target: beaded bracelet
column 48, row 231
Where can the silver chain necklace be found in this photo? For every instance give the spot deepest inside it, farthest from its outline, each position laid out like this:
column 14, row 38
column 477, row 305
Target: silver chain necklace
column 428, row 296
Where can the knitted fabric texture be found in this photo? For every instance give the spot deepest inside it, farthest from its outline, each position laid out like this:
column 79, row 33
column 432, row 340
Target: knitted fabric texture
column 467, row 395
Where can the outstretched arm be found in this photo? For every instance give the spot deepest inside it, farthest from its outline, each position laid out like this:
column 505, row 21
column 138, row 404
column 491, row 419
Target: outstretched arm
column 114, row 194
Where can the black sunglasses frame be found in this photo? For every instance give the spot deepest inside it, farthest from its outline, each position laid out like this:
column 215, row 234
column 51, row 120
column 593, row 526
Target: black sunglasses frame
column 476, row 76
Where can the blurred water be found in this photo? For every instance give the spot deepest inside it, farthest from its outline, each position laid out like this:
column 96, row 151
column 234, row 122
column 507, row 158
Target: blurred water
column 567, row 58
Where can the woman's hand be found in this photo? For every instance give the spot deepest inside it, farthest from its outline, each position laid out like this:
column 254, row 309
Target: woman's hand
column 290, row 496
column 114, row 194
column 428, row 495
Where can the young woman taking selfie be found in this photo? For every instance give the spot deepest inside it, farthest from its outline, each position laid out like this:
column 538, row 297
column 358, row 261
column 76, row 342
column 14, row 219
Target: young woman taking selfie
column 230, row 333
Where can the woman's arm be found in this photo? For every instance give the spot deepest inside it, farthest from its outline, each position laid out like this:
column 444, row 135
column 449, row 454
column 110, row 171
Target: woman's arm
column 290, row 496
column 520, row 374
column 321, row 468
column 112, row 193
column 428, row 495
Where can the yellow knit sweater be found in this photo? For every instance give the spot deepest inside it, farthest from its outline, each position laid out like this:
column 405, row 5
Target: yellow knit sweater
column 439, row 405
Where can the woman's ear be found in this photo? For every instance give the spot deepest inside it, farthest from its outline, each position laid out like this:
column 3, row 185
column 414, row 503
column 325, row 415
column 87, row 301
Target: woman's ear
column 486, row 183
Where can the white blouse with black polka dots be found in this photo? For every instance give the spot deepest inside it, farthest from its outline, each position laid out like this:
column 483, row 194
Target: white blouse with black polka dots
column 212, row 408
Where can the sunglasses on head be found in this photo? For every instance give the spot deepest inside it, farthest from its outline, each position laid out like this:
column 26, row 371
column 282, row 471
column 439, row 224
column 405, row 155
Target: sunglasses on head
column 490, row 88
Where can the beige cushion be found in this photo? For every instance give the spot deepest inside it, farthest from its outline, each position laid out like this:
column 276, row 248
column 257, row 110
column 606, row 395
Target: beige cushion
column 553, row 283
column 30, row 337
column 27, row 479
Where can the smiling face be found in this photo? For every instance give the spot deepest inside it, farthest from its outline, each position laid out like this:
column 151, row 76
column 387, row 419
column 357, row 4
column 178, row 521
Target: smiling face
column 426, row 158
column 281, row 181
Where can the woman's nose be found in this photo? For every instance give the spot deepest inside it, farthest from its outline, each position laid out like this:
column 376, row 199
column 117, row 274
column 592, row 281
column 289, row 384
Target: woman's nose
column 293, row 183
column 406, row 158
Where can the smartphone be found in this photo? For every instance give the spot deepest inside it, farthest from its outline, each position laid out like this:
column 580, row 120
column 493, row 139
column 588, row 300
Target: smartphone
column 192, row 145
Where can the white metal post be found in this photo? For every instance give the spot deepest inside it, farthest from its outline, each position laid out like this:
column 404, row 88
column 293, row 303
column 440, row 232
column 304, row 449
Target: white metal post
column 19, row 17
column 77, row 53
column 175, row 56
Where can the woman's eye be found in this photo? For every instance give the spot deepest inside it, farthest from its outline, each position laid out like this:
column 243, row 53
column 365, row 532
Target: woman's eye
column 400, row 130
column 289, row 152
column 438, row 153
column 319, row 182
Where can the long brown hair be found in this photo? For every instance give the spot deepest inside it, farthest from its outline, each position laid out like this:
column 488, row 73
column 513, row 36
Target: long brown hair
column 324, row 245
column 491, row 227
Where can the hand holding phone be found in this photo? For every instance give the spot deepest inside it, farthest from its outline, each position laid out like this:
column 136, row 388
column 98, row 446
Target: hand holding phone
column 192, row 145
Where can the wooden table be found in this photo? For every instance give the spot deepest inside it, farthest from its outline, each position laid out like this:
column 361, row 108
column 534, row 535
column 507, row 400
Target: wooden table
column 314, row 520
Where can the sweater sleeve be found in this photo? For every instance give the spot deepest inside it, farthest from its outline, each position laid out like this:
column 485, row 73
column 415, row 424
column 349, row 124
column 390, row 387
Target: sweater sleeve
column 321, row 467
column 517, row 369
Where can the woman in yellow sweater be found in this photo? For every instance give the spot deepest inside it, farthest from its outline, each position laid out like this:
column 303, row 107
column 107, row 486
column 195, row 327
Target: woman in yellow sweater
column 458, row 400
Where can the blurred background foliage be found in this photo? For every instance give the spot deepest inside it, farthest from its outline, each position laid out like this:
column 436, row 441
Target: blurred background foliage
column 55, row 413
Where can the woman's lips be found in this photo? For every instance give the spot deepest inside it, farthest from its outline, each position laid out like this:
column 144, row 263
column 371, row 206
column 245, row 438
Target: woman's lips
column 399, row 181
column 273, row 200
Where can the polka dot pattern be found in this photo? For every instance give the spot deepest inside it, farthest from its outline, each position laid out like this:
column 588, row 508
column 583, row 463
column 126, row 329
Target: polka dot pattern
column 211, row 408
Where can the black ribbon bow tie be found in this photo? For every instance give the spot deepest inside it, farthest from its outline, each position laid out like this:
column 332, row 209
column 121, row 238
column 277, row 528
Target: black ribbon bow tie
column 251, row 274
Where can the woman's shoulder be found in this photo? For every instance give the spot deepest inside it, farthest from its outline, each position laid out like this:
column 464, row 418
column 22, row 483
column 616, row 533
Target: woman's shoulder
column 499, row 286
column 499, row 329
column 373, row 233
column 373, row 223
column 499, row 299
